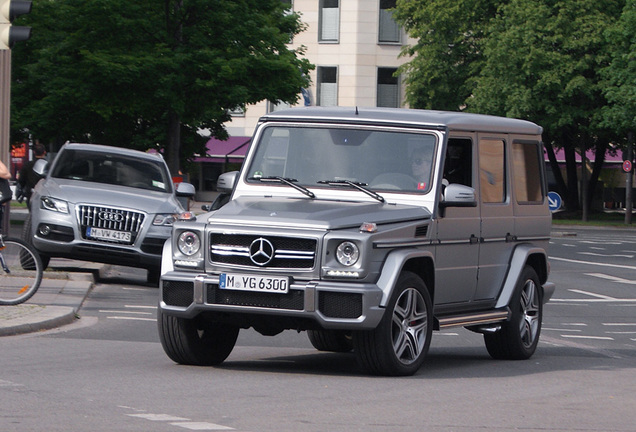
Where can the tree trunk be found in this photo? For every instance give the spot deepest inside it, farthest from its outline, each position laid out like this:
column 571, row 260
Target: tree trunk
column 173, row 150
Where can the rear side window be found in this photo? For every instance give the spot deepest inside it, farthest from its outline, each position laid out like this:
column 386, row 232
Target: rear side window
column 492, row 172
column 526, row 158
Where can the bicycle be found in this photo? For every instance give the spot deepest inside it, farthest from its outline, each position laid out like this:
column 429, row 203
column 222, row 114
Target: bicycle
column 20, row 268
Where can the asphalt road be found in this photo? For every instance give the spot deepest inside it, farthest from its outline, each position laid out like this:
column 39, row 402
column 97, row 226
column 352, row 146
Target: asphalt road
column 108, row 372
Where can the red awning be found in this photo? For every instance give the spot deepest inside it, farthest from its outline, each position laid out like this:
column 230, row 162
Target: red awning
column 231, row 150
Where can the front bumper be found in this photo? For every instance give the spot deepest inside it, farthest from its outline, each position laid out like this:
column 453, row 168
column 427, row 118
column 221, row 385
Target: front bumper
column 332, row 305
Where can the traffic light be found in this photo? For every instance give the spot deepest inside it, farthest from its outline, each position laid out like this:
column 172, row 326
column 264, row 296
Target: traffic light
column 9, row 10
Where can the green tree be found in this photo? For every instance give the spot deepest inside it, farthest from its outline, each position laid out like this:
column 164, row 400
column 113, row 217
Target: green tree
column 447, row 54
column 620, row 75
column 151, row 74
column 543, row 63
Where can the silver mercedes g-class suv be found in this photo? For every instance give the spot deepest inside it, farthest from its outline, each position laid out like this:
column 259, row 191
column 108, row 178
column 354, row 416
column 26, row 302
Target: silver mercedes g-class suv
column 368, row 228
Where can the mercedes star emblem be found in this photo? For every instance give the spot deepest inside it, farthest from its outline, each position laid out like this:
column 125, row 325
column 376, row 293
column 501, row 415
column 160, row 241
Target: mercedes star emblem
column 261, row 251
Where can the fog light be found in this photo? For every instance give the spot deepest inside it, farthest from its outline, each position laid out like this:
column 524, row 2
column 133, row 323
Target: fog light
column 44, row 230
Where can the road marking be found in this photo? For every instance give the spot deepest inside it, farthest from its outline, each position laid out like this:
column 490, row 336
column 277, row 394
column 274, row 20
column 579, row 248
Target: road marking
column 124, row 312
column 588, row 337
column 131, row 318
column 181, row 422
column 619, row 324
column 560, row 330
column 606, row 255
column 611, row 278
column 601, row 296
column 593, row 263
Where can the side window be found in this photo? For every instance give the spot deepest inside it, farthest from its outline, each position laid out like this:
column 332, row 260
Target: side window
column 526, row 161
column 458, row 166
column 329, row 21
column 388, row 88
column 389, row 31
column 492, row 171
column 327, row 86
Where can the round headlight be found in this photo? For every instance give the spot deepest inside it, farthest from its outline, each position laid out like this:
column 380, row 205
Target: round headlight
column 188, row 243
column 347, row 253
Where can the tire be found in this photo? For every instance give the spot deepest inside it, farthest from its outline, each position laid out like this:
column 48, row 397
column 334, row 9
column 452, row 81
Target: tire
column 20, row 272
column 518, row 338
column 398, row 346
column 331, row 340
column 195, row 342
column 27, row 237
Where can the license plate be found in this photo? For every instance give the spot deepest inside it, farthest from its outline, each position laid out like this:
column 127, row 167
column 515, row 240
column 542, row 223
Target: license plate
column 244, row 282
column 106, row 234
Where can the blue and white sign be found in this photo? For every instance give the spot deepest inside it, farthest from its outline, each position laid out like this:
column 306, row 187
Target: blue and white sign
column 554, row 201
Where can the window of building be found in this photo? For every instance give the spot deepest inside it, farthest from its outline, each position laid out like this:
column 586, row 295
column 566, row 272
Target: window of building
column 388, row 91
column 526, row 160
column 329, row 21
column 389, row 31
column 327, row 86
column 492, row 171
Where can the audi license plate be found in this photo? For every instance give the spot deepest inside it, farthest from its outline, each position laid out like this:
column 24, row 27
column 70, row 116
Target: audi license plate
column 245, row 282
column 106, row 234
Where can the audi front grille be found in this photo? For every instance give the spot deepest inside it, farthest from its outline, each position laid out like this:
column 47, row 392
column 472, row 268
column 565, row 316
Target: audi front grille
column 111, row 219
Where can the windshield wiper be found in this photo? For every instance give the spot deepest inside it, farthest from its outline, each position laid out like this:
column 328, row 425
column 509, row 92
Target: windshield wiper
column 287, row 181
column 355, row 185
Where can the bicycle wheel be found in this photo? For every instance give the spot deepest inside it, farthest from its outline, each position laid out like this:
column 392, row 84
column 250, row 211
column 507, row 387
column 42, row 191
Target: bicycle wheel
column 20, row 272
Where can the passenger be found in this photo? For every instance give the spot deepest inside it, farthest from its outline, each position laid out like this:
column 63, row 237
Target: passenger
column 421, row 162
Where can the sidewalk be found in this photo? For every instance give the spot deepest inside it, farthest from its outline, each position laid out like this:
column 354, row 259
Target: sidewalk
column 57, row 302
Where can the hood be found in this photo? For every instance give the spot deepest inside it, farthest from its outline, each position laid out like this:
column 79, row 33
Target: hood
column 307, row 213
column 75, row 191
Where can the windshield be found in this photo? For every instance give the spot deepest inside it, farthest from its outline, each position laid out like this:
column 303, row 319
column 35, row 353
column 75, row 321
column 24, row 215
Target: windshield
column 321, row 156
column 111, row 169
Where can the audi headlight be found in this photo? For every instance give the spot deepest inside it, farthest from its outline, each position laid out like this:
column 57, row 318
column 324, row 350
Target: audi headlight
column 54, row 204
column 347, row 253
column 189, row 243
column 164, row 219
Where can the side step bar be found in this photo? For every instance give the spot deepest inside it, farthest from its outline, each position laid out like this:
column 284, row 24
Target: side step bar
column 473, row 319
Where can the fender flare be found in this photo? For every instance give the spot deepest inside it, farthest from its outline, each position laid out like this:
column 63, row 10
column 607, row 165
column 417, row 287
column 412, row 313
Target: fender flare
column 392, row 267
column 166, row 257
column 517, row 263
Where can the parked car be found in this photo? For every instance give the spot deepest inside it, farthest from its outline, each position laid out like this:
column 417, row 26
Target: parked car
column 368, row 228
column 105, row 204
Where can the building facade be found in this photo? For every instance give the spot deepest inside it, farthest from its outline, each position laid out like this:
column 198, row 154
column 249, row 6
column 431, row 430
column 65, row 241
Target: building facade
column 355, row 46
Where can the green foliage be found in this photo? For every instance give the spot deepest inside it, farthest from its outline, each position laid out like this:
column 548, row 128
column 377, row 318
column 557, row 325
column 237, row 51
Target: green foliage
column 130, row 73
column 620, row 75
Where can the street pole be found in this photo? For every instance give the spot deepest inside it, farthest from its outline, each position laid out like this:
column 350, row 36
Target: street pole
column 629, row 179
column 5, row 98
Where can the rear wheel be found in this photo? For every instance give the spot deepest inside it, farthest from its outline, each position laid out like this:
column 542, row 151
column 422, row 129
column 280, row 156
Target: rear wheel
column 195, row 342
column 399, row 344
column 518, row 338
column 331, row 340
column 20, row 272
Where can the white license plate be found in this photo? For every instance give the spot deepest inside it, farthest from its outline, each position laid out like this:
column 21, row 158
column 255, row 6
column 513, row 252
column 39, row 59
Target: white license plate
column 106, row 234
column 245, row 282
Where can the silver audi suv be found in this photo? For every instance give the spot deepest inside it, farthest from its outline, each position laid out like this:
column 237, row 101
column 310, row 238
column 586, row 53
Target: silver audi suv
column 105, row 204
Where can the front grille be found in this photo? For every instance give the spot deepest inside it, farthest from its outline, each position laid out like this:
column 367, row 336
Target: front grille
column 340, row 305
column 288, row 253
column 109, row 218
column 178, row 293
column 293, row 300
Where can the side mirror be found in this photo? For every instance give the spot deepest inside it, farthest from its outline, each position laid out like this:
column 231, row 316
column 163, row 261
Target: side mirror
column 185, row 190
column 457, row 195
column 226, row 182
column 40, row 167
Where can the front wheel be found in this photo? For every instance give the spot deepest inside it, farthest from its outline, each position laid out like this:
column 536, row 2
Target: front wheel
column 331, row 340
column 518, row 338
column 399, row 344
column 20, row 272
column 195, row 342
